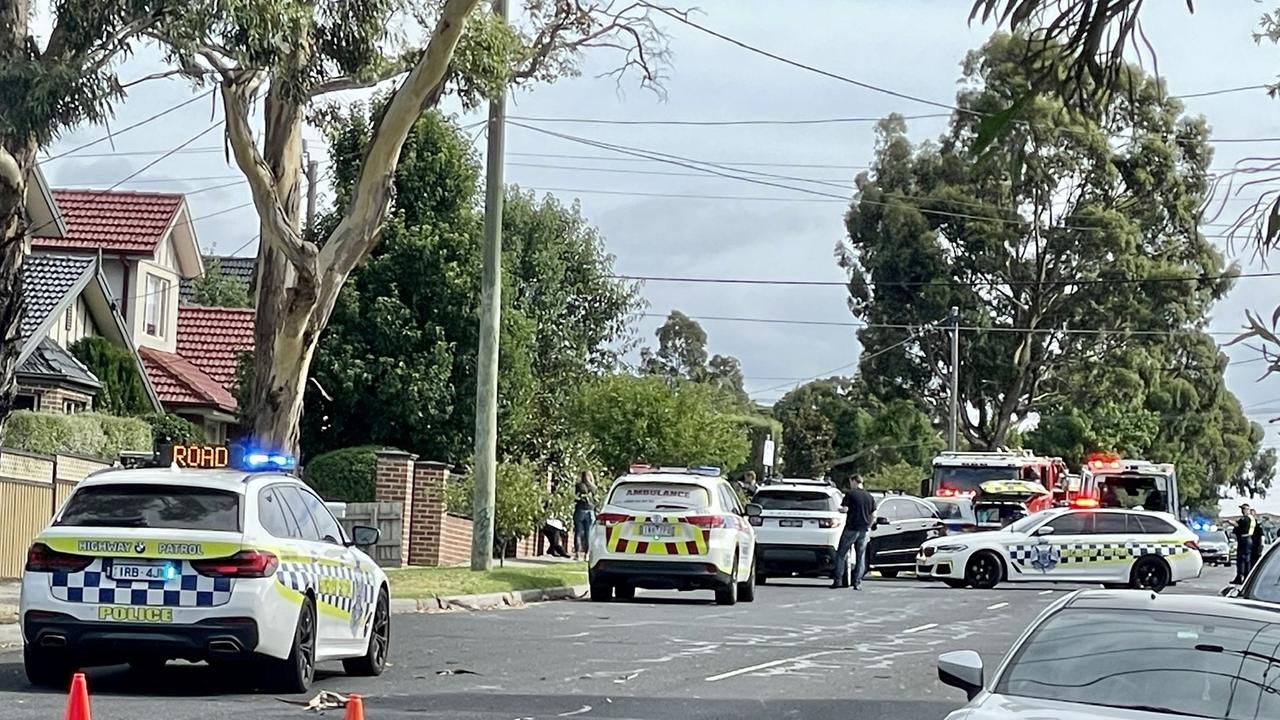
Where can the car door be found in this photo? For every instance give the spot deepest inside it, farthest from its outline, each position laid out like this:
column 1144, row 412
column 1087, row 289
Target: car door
column 1106, row 552
column 888, row 538
column 342, row 583
column 1063, row 553
column 321, row 562
column 746, row 533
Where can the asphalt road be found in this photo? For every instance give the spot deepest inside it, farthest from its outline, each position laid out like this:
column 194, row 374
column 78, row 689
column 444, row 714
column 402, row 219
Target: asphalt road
column 800, row 651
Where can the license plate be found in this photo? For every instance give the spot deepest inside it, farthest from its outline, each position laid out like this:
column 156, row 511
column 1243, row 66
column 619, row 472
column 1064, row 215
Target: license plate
column 140, row 571
column 658, row 531
column 791, row 523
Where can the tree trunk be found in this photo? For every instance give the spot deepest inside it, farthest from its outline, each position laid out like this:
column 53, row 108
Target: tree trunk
column 17, row 157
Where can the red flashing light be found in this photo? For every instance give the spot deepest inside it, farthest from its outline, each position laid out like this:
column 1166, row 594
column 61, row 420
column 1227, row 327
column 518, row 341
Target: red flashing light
column 612, row 518
column 244, row 564
column 1084, row 503
column 946, row 492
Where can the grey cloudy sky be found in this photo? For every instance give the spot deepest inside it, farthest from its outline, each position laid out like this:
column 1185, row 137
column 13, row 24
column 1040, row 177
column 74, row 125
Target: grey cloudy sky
column 911, row 46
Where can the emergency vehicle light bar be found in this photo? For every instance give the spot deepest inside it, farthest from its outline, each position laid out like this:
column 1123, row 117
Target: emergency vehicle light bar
column 641, row 469
column 202, row 456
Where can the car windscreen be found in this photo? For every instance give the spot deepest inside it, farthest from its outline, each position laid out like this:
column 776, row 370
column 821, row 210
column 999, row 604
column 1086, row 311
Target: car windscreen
column 948, row 480
column 1133, row 491
column 169, row 507
column 1181, row 663
column 660, row 496
column 1026, row 523
column 1265, row 583
column 796, row 500
column 998, row 513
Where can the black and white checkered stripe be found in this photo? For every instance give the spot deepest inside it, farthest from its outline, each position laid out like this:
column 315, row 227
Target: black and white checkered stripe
column 187, row 588
column 1082, row 553
column 302, row 576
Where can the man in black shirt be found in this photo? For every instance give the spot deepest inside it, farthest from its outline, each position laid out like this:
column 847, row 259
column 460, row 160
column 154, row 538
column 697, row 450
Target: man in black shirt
column 860, row 510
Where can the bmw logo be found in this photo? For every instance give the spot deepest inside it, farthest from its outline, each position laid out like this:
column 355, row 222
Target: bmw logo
column 140, row 547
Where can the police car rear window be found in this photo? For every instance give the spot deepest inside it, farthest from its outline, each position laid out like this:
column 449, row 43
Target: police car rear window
column 795, row 500
column 165, row 507
column 660, row 496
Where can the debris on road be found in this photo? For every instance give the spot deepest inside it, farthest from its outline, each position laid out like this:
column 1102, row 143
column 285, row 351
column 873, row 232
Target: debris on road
column 457, row 671
column 324, row 700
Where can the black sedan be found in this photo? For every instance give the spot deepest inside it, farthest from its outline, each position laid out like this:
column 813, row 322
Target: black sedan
column 903, row 524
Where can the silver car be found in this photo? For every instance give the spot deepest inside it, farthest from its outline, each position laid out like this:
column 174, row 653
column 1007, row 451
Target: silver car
column 1131, row 655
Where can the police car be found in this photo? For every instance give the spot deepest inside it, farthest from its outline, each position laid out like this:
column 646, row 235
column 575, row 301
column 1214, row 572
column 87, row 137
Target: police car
column 673, row 529
column 1118, row 548
column 217, row 555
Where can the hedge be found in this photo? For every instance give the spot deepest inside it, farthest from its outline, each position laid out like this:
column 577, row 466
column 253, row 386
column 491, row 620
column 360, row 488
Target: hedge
column 169, row 428
column 344, row 475
column 92, row 434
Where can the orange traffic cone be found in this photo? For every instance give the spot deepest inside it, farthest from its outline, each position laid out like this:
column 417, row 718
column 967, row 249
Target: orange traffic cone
column 78, row 701
column 355, row 708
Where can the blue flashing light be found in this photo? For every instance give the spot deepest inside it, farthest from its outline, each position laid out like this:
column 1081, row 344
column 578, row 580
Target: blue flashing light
column 264, row 460
column 706, row 470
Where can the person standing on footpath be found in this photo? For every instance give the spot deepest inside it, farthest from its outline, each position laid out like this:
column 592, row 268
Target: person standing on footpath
column 860, row 509
column 583, row 514
column 1244, row 530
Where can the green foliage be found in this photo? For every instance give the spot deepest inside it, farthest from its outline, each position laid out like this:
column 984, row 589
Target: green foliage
column 403, row 337
column 645, row 419
column 91, row 434
column 758, row 428
column 169, row 428
column 521, row 506
column 682, row 355
column 117, row 369
column 345, row 475
column 838, row 426
column 213, row 289
column 898, row 477
column 1026, row 237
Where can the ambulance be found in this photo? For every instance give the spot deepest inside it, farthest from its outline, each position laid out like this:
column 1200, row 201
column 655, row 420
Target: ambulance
column 212, row 553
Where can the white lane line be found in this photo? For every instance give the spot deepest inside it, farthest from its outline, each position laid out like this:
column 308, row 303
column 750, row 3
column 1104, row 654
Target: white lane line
column 579, row 711
column 771, row 663
column 1046, row 592
column 997, row 606
column 919, row 628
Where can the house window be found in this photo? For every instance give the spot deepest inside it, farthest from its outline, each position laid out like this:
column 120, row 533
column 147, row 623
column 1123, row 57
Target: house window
column 157, row 306
column 71, row 407
column 26, row 401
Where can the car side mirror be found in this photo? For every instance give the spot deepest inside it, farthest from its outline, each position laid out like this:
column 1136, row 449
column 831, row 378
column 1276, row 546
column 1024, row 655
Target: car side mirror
column 1230, row 591
column 882, row 521
column 754, row 510
column 1044, row 530
column 365, row 536
column 961, row 669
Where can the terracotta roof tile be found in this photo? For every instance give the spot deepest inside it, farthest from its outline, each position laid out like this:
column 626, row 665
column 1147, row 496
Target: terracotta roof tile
column 178, row 382
column 116, row 221
column 213, row 338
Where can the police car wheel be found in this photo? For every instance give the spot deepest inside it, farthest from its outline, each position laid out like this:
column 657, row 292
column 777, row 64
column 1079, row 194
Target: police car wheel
column 295, row 673
column 46, row 668
column 373, row 662
column 1150, row 573
column 984, row 571
column 728, row 595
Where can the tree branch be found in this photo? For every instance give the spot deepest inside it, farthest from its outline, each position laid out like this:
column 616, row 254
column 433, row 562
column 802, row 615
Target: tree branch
column 354, row 82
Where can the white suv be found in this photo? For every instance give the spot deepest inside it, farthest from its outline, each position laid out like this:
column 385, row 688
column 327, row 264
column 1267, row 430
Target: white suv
column 798, row 529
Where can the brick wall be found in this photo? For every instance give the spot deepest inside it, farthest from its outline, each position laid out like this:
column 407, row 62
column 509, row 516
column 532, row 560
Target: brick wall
column 428, row 512
column 393, row 482
column 455, row 541
column 52, row 400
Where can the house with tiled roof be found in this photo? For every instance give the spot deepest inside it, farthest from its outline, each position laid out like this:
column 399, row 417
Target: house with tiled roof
column 236, row 269
column 145, row 248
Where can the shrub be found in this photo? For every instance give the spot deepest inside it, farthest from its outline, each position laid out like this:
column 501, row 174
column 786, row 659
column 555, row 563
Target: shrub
column 521, row 504
column 116, row 368
column 169, row 428
column 344, row 475
column 92, row 434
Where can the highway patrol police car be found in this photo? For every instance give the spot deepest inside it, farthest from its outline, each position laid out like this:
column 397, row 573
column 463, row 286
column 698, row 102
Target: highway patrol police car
column 1118, row 548
column 217, row 555
column 673, row 529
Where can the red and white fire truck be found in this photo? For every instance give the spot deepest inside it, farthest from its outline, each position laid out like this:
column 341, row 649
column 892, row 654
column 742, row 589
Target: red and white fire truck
column 962, row 474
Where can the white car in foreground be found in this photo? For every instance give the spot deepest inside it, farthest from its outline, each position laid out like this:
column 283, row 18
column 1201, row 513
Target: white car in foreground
column 673, row 529
column 202, row 563
column 1119, row 548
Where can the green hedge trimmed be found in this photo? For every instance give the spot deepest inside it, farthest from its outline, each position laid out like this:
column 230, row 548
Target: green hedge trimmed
column 169, row 428
column 92, row 434
column 344, row 475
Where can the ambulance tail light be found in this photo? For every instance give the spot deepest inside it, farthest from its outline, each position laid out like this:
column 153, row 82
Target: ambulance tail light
column 42, row 558
column 709, row 522
column 244, row 564
column 1192, row 544
column 612, row 518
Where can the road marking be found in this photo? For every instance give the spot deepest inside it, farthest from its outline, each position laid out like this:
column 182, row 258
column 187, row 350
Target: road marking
column 919, row 628
column 579, row 711
column 997, row 606
column 1046, row 592
column 771, row 663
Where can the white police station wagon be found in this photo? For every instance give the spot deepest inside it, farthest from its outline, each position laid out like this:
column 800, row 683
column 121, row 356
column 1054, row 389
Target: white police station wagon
column 217, row 555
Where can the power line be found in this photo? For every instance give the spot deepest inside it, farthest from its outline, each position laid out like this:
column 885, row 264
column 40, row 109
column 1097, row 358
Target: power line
column 677, row 196
column 720, row 123
column 223, row 211
column 943, row 283
column 140, row 123
column 833, row 182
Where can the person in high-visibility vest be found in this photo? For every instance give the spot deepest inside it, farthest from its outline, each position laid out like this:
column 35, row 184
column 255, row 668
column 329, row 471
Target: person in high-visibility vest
column 1245, row 528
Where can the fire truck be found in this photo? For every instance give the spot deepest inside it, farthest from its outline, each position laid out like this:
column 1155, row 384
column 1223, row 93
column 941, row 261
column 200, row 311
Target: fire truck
column 1109, row 481
column 962, row 474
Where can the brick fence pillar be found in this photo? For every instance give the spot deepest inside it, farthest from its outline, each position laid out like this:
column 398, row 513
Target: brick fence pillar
column 425, row 541
column 393, row 482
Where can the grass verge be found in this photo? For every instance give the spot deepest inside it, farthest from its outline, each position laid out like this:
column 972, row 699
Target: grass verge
column 430, row 582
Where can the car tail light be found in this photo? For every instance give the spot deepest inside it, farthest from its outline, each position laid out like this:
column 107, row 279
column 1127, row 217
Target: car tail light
column 1192, row 544
column 756, row 520
column 42, row 558
column 612, row 518
column 829, row 523
column 244, row 564
column 708, row 521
